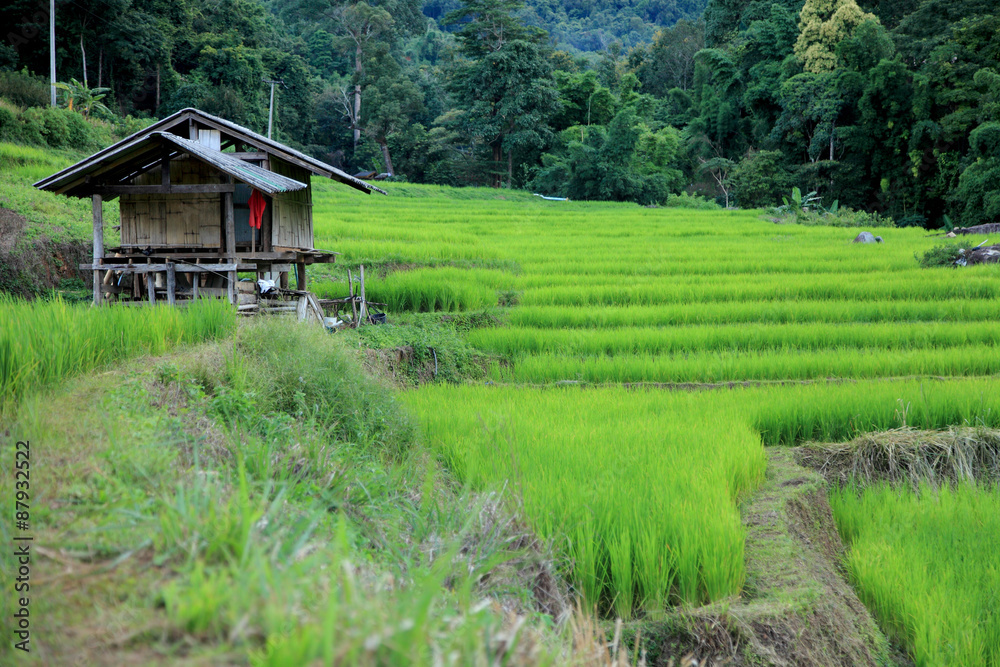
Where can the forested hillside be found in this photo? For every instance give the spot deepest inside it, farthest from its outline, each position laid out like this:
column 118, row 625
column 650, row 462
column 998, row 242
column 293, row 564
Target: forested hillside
column 890, row 107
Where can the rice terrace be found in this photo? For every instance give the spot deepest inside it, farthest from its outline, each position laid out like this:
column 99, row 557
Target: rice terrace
column 500, row 333
column 651, row 377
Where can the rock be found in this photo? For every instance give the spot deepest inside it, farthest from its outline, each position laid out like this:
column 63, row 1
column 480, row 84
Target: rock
column 950, row 235
column 984, row 255
column 867, row 237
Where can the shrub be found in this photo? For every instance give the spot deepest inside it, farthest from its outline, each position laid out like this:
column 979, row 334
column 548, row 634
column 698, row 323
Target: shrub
column 10, row 129
column 78, row 132
column 942, row 255
column 695, row 202
column 55, row 127
column 33, row 126
column 23, row 89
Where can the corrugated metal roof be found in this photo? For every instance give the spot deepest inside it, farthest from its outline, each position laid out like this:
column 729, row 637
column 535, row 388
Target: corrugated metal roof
column 134, row 143
column 318, row 165
column 258, row 177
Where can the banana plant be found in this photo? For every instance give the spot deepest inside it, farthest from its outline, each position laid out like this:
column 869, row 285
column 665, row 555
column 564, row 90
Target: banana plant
column 85, row 100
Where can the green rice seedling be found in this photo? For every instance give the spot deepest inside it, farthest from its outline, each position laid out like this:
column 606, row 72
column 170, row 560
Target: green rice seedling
column 42, row 342
column 516, row 341
column 781, row 312
column 925, row 563
column 754, row 366
column 622, row 490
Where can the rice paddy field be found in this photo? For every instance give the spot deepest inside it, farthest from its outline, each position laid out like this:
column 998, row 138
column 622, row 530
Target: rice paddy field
column 690, row 341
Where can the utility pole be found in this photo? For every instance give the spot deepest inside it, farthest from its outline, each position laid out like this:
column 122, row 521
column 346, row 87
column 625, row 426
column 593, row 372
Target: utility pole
column 270, row 110
column 52, row 50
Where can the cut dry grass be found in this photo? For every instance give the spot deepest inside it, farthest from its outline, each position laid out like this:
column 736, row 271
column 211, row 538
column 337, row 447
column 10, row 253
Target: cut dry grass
column 910, row 456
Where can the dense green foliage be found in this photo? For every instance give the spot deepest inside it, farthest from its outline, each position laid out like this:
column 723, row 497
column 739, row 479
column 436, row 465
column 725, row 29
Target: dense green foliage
column 884, row 107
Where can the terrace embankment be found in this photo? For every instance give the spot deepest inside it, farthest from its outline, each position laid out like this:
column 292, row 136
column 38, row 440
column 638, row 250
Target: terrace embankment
column 797, row 608
column 30, row 266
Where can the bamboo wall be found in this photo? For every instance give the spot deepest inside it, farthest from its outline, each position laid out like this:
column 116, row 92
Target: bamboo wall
column 291, row 220
column 182, row 220
column 194, row 220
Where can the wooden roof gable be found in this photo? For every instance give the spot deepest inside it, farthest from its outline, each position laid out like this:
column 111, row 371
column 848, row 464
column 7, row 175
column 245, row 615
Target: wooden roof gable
column 72, row 180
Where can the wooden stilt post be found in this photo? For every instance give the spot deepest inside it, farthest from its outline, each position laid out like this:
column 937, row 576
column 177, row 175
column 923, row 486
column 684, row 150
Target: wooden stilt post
column 363, row 314
column 230, row 225
column 300, row 276
column 195, row 282
column 151, row 286
column 354, row 309
column 231, row 291
column 135, row 283
column 171, row 283
column 96, row 201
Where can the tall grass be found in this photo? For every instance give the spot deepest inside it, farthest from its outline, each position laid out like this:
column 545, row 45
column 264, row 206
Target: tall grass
column 926, row 564
column 42, row 342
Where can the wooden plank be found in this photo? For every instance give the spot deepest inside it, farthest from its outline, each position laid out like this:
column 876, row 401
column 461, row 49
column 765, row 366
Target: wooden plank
column 98, row 213
column 151, row 288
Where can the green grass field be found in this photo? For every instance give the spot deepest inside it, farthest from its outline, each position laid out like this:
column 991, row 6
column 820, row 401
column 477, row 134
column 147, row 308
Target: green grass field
column 643, row 485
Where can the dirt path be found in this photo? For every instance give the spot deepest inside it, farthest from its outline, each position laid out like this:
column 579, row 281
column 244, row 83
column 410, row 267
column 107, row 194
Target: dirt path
column 797, row 609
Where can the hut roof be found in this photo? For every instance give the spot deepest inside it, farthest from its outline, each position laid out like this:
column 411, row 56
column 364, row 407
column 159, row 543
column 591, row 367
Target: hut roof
column 142, row 147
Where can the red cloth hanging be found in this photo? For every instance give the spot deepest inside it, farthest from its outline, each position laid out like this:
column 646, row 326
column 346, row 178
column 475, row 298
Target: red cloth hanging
column 257, row 204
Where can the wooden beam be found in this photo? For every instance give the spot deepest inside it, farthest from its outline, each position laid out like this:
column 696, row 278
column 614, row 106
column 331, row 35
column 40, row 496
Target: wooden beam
column 98, row 213
column 248, row 156
column 165, row 189
column 231, row 288
column 154, row 268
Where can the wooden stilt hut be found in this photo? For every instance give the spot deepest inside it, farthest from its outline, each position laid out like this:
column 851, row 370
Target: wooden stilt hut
column 184, row 187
